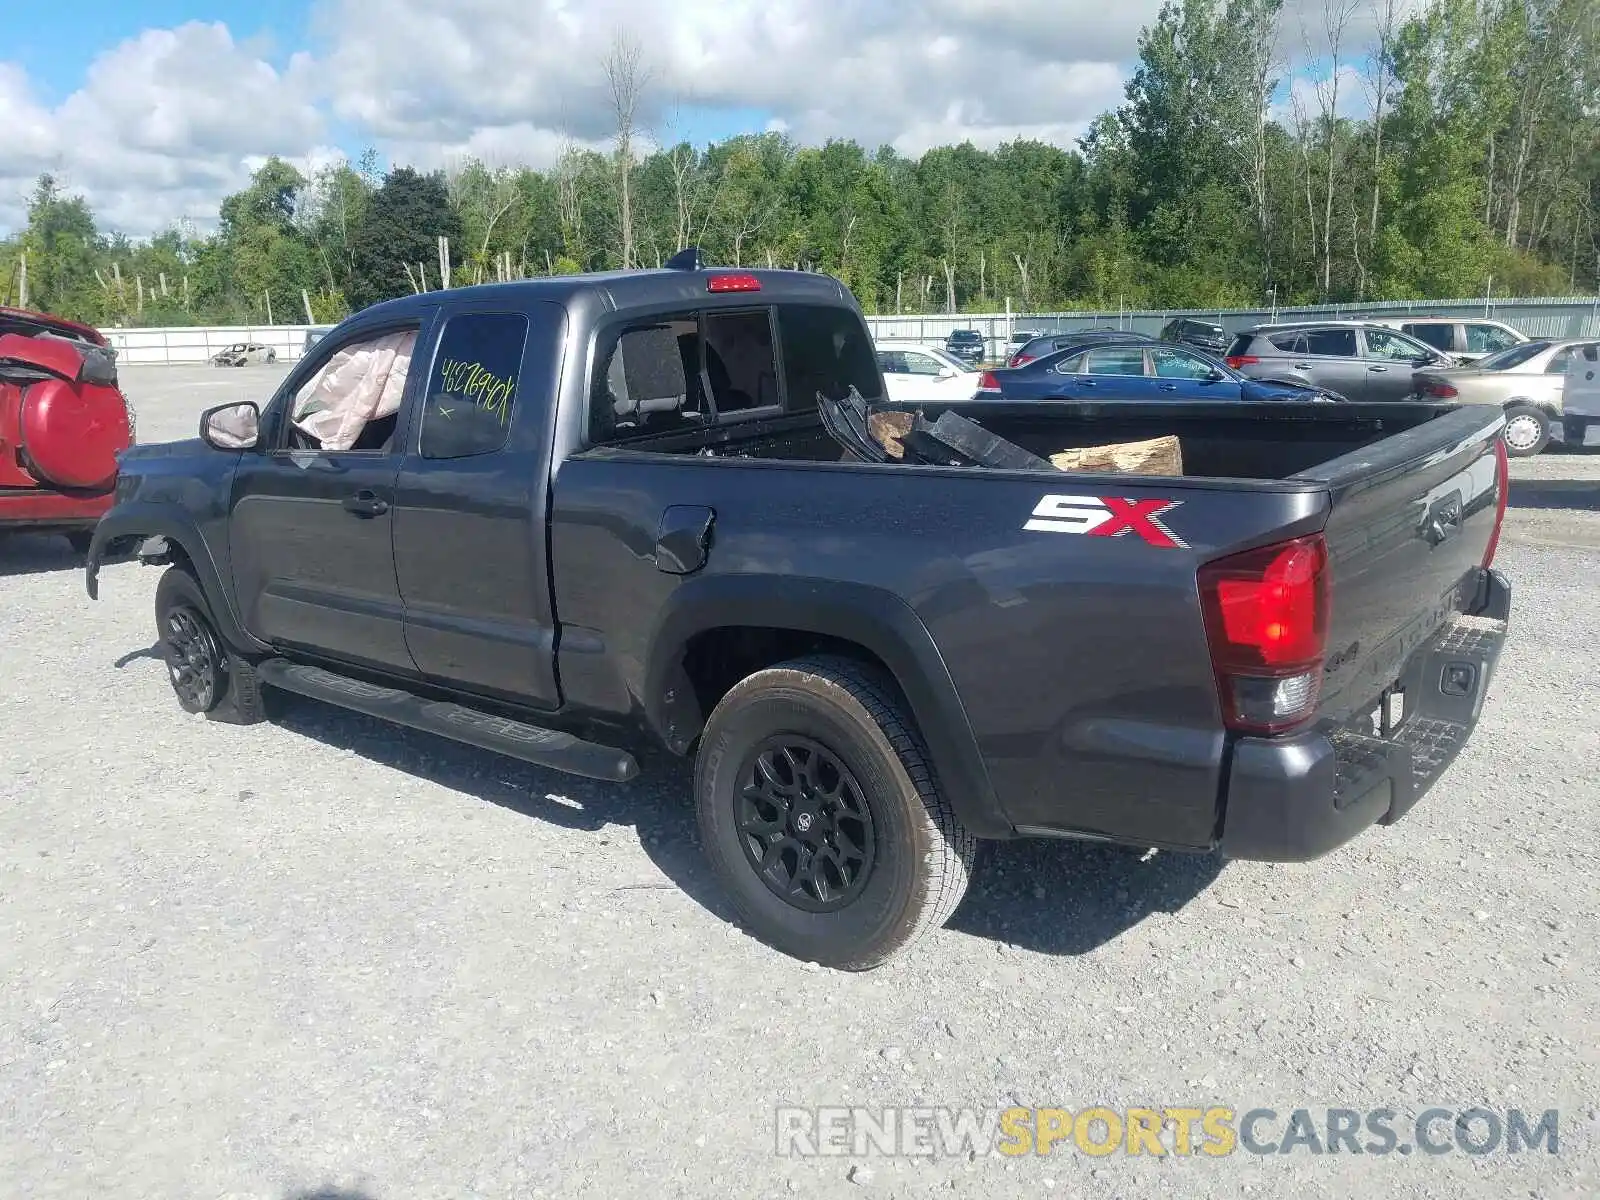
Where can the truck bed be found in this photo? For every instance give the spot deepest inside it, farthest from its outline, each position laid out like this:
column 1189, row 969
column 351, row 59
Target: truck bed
column 1081, row 662
column 1271, row 441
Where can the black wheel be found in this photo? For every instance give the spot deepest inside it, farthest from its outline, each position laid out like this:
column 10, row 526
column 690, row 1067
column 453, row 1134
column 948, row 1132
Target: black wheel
column 80, row 540
column 819, row 811
column 1527, row 430
column 206, row 675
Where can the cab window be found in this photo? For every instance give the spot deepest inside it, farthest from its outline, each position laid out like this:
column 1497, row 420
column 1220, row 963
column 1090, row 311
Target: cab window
column 473, row 385
column 351, row 402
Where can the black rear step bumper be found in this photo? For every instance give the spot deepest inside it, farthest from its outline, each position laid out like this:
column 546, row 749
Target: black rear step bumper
column 1295, row 799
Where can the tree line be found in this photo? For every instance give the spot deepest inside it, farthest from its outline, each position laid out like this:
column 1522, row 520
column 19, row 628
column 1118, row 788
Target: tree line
column 1219, row 182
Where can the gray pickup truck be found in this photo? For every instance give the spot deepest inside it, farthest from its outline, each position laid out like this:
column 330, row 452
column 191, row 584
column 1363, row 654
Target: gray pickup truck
column 561, row 518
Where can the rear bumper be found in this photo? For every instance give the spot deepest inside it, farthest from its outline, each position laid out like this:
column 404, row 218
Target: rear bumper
column 42, row 510
column 1295, row 799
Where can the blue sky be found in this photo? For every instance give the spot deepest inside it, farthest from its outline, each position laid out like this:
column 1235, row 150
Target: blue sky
column 156, row 109
column 55, row 39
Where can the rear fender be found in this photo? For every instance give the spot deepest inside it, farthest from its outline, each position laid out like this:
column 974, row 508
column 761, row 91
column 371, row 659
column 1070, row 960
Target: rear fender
column 877, row 621
column 142, row 523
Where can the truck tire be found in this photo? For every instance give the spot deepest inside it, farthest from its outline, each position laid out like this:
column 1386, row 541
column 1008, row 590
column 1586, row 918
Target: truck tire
column 1527, row 430
column 205, row 674
column 819, row 810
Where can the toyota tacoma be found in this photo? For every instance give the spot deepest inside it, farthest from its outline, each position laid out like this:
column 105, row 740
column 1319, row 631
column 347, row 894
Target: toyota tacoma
column 561, row 518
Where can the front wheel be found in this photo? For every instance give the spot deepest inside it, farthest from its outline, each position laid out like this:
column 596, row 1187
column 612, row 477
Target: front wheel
column 205, row 674
column 1527, row 430
column 819, row 811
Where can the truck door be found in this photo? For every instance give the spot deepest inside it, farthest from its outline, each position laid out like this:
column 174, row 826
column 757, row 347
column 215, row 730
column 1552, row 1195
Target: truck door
column 311, row 520
column 469, row 522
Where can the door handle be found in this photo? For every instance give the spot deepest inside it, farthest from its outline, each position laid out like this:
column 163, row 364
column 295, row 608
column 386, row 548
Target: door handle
column 683, row 539
column 366, row 503
column 1378, row 370
column 1169, row 387
column 1301, row 366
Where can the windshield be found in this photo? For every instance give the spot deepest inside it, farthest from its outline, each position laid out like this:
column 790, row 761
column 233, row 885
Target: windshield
column 1511, row 356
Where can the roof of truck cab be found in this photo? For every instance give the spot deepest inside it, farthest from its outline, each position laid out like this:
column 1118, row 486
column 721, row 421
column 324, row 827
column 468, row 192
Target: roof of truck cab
column 638, row 288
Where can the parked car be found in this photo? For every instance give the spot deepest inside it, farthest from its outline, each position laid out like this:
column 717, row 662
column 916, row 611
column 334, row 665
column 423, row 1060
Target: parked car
column 967, row 344
column 1581, row 397
column 1358, row 360
column 915, row 374
column 1131, row 371
column 643, row 506
column 241, row 353
column 63, row 421
column 1201, row 334
column 1020, row 338
column 1052, row 343
column 1526, row 380
column 1462, row 338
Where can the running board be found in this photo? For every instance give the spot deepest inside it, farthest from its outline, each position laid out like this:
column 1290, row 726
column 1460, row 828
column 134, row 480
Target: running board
column 529, row 743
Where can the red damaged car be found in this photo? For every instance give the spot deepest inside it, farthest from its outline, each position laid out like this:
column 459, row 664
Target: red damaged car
column 63, row 421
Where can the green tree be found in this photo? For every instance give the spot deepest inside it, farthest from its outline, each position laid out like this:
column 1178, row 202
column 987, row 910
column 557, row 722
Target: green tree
column 395, row 245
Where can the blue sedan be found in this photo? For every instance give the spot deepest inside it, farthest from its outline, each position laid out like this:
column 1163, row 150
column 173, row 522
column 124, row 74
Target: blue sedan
column 1135, row 371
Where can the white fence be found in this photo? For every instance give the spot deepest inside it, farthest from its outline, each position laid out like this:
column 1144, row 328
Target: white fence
column 1571, row 316
column 1564, row 317
column 197, row 343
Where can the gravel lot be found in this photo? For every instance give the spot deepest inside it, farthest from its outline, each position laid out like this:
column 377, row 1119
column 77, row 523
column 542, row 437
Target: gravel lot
column 327, row 958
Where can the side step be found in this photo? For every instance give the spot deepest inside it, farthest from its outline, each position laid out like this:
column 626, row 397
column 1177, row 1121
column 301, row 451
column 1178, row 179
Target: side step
column 529, row 743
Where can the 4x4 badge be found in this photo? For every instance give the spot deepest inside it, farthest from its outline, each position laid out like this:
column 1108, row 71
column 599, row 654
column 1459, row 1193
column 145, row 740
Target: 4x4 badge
column 1107, row 516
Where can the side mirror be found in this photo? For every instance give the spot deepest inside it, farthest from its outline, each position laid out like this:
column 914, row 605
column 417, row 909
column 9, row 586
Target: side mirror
column 231, row 426
column 947, row 372
column 1216, row 375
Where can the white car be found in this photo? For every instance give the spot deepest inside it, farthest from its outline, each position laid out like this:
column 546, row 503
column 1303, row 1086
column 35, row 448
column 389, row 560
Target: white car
column 915, row 373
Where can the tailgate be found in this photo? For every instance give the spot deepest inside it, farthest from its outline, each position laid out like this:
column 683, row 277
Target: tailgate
column 1413, row 518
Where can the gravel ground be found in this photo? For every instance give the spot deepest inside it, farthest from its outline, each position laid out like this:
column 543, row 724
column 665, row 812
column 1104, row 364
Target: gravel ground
column 325, row 958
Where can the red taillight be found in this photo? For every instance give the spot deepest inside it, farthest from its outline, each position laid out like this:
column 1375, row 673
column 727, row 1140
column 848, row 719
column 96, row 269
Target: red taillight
column 1438, row 388
column 988, row 383
column 1266, row 618
column 733, row 283
column 1236, row 361
column 1502, row 483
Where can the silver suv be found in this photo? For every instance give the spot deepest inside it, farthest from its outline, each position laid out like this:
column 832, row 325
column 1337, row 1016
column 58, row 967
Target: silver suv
column 1465, row 338
column 1359, row 360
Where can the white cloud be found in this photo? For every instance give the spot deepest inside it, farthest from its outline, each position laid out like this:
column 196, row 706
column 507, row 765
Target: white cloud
column 167, row 123
column 912, row 73
column 164, row 125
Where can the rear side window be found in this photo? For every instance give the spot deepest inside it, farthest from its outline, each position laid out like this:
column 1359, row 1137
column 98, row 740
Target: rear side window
column 1440, row 337
column 1115, row 360
column 825, row 349
column 1241, row 345
column 473, row 385
column 1292, row 343
column 651, row 381
column 1335, row 343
